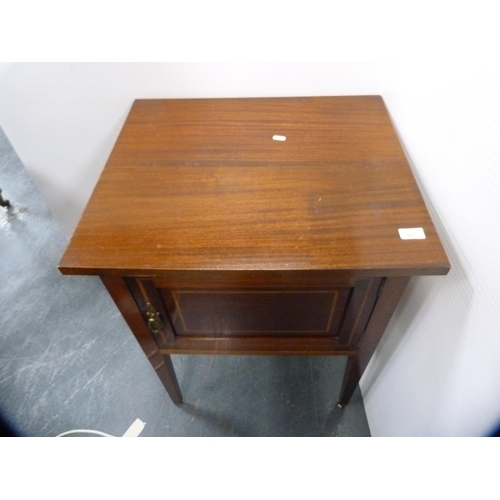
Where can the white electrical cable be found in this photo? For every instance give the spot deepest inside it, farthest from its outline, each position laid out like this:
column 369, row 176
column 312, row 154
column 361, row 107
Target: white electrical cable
column 133, row 431
column 85, row 431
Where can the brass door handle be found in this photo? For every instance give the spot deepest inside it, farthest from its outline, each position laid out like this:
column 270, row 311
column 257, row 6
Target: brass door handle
column 155, row 323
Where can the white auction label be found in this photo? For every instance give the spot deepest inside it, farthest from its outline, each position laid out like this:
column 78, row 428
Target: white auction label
column 411, row 233
column 279, row 138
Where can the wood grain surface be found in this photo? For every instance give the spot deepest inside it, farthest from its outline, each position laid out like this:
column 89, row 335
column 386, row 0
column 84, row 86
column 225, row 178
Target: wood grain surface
column 200, row 184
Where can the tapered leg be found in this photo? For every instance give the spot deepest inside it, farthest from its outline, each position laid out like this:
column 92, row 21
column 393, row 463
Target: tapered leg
column 120, row 292
column 169, row 379
column 392, row 290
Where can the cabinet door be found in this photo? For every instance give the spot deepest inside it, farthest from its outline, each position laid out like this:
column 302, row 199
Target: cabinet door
column 220, row 313
column 312, row 320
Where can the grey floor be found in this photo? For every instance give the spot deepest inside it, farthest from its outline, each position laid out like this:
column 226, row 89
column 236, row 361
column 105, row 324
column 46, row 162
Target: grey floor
column 68, row 360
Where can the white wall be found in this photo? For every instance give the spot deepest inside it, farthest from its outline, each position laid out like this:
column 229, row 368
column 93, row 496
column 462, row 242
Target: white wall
column 437, row 370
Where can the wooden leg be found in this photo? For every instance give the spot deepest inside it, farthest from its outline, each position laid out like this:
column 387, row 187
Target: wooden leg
column 384, row 308
column 119, row 291
column 167, row 375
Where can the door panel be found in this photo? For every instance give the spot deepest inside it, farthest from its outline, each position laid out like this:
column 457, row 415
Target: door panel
column 255, row 312
column 256, row 320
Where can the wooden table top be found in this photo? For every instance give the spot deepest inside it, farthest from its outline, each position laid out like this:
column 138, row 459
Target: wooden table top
column 200, row 184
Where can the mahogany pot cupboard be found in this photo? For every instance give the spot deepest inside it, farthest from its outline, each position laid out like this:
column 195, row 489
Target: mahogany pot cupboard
column 257, row 226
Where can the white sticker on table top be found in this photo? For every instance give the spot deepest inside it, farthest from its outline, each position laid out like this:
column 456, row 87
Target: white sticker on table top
column 411, row 233
column 279, row 138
